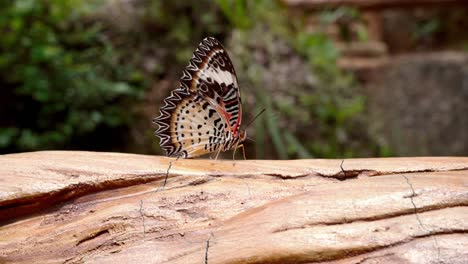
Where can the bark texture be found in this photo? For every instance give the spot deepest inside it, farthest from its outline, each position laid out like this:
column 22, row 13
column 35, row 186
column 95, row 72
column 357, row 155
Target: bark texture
column 87, row 207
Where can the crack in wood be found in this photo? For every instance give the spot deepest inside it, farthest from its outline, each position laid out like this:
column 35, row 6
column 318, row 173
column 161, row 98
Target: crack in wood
column 379, row 173
column 413, row 194
column 166, row 237
column 142, row 218
column 348, row 253
column 288, row 177
column 93, row 236
column 107, row 245
column 399, row 243
column 371, row 218
column 198, row 182
column 350, row 174
column 25, row 206
column 192, row 183
column 376, row 258
column 415, row 208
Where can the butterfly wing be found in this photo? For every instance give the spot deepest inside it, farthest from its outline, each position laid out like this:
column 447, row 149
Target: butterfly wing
column 204, row 113
column 211, row 74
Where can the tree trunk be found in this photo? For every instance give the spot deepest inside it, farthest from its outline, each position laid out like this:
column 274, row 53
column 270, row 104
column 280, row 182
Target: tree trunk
column 75, row 207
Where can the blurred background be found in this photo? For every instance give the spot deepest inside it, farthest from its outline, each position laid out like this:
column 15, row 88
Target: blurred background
column 339, row 78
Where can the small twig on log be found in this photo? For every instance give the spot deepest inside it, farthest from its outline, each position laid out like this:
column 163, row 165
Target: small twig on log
column 342, row 169
column 167, row 174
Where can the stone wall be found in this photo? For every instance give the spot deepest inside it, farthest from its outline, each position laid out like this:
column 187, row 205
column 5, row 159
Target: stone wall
column 419, row 103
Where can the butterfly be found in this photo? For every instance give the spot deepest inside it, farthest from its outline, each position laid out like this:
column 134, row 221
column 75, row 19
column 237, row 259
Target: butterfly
column 204, row 114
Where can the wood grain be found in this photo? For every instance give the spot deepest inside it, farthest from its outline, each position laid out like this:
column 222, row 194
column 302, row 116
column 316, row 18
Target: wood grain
column 88, row 207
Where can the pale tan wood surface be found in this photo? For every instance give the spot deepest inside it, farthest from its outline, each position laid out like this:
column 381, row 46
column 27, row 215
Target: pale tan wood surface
column 75, row 207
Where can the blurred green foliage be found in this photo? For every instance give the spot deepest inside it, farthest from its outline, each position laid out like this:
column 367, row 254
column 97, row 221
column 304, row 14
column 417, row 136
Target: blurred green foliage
column 349, row 21
column 72, row 74
column 179, row 25
column 159, row 38
column 426, row 30
column 63, row 83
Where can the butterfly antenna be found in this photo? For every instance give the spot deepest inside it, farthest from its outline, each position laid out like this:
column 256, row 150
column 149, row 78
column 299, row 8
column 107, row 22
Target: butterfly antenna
column 251, row 121
column 250, row 139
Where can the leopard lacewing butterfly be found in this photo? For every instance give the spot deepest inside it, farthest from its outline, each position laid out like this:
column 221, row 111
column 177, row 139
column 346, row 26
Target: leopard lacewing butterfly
column 204, row 114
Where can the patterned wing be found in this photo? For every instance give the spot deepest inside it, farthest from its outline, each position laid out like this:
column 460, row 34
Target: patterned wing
column 204, row 113
column 211, row 74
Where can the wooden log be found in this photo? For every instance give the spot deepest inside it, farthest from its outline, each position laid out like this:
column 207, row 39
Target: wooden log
column 75, row 207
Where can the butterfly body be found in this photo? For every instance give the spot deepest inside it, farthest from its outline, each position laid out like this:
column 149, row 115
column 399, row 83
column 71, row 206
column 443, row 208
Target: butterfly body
column 204, row 114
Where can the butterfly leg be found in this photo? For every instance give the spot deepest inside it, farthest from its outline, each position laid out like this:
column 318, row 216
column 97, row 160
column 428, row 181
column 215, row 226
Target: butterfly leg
column 217, row 153
column 243, row 151
column 234, row 153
